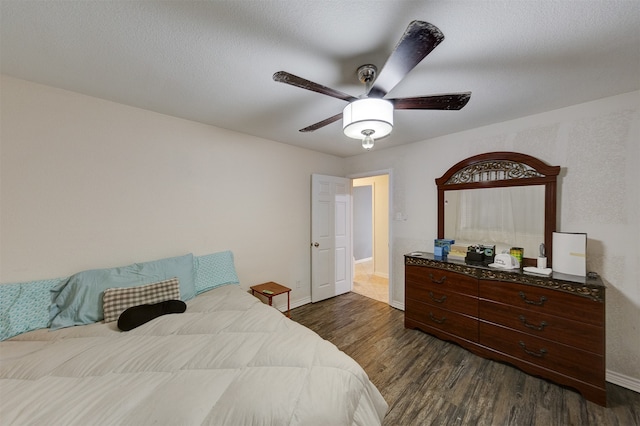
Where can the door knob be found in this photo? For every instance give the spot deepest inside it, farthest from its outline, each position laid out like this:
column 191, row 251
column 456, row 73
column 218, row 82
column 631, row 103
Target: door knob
column 316, row 244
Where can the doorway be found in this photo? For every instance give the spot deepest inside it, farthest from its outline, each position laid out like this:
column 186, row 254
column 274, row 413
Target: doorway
column 371, row 236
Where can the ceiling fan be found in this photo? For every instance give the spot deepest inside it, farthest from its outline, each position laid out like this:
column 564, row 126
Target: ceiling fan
column 371, row 116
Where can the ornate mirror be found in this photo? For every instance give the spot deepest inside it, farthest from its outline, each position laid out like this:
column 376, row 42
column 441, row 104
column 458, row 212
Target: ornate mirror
column 502, row 198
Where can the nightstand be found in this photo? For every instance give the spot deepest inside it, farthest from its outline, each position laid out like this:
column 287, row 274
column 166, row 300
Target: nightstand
column 273, row 289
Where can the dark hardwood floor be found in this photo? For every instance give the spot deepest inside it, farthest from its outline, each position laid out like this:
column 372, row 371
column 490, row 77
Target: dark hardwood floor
column 427, row 381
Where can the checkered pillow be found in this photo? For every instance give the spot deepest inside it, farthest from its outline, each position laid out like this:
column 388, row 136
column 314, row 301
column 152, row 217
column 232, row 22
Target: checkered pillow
column 117, row 300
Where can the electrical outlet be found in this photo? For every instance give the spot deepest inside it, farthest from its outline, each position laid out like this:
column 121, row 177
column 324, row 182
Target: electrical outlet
column 297, row 283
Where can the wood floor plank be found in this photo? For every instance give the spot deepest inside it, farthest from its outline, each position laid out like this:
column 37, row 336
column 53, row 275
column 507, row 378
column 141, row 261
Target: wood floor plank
column 427, row 381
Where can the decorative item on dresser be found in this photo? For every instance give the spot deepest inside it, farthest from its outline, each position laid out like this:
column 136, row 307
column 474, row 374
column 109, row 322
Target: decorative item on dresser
column 552, row 327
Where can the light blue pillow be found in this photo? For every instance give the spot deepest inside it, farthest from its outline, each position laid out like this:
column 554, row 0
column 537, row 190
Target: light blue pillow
column 214, row 270
column 25, row 306
column 78, row 300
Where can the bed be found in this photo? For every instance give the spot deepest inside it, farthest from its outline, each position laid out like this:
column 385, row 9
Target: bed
column 228, row 360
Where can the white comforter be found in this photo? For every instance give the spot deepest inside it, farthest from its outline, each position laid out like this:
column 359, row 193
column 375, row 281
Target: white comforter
column 228, row 360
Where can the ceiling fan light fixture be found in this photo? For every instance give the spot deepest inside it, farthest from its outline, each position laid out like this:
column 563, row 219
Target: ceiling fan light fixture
column 367, row 142
column 371, row 117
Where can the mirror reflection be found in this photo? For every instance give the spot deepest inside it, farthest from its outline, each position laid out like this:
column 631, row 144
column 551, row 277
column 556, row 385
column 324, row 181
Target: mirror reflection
column 505, row 216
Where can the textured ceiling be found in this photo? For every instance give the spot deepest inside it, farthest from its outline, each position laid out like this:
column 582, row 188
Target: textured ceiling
column 212, row 61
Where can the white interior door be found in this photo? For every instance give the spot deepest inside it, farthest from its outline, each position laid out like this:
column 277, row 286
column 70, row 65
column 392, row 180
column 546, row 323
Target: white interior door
column 331, row 270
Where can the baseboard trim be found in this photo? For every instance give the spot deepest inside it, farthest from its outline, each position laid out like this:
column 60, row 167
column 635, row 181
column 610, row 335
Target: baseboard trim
column 627, row 382
column 397, row 305
column 381, row 275
column 282, row 307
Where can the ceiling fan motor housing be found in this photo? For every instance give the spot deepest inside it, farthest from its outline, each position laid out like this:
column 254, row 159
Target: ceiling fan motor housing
column 367, row 74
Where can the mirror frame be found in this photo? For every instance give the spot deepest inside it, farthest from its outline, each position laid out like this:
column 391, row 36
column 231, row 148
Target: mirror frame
column 504, row 169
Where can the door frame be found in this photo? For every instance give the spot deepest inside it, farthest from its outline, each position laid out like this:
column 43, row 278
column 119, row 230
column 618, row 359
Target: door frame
column 388, row 172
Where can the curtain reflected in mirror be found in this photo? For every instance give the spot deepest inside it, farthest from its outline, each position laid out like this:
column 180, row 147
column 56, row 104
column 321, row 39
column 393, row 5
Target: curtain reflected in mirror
column 507, row 217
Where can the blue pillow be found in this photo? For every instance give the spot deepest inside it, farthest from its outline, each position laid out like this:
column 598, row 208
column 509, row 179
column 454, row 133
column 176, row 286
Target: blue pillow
column 78, row 300
column 214, row 270
column 25, row 306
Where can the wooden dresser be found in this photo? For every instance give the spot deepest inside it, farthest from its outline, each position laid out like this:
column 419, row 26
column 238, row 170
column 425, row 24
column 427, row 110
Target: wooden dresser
column 551, row 327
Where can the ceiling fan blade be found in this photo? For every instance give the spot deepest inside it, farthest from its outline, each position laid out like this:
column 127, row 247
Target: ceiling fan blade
column 322, row 123
column 294, row 80
column 418, row 41
column 444, row 102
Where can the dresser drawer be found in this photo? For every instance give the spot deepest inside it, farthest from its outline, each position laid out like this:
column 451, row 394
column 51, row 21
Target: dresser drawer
column 434, row 295
column 569, row 332
column 445, row 280
column 586, row 366
column 543, row 300
column 442, row 319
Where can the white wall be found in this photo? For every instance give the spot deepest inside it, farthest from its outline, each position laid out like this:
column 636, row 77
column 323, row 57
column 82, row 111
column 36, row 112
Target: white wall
column 597, row 145
column 86, row 183
column 362, row 214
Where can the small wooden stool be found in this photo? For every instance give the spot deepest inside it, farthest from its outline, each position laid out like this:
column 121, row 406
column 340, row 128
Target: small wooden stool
column 273, row 289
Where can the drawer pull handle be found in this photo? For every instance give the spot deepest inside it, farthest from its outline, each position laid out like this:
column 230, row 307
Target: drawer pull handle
column 532, row 326
column 440, row 281
column 538, row 354
column 434, row 319
column 441, row 300
column 532, row 302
